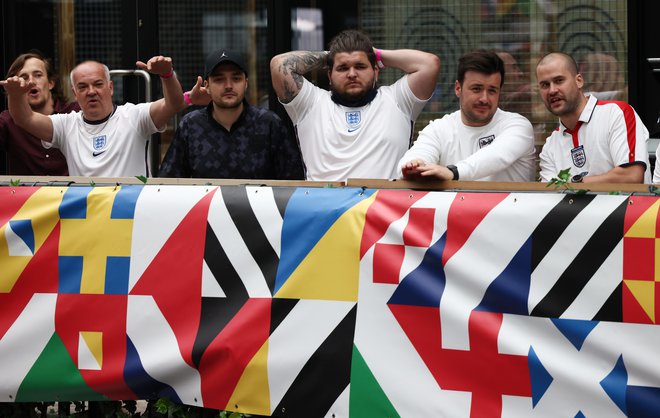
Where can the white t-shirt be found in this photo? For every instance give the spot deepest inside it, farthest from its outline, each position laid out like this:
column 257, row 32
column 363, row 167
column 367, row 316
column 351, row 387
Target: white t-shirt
column 656, row 171
column 502, row 150
column 339, row 142
column 116, row 148
column 609, row 134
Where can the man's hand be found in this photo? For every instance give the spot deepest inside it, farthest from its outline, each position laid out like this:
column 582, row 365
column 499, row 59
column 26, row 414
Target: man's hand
column 15, row 86
column 200, row 94
column 158, row 65
column 418, row 169
column 33, row 122
column 410, row 170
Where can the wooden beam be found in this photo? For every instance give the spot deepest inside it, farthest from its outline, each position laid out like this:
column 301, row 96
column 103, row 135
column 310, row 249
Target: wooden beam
column 624, row 188
column 66, row 43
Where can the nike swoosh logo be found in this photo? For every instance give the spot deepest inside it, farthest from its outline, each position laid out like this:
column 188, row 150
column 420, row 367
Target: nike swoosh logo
column 96, row 154
column 352, row 129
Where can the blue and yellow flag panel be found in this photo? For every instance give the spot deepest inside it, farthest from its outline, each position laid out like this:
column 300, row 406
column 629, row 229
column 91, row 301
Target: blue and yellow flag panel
column 332, row 302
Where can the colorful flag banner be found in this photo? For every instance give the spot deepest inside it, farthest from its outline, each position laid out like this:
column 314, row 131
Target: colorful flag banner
column 345, row 302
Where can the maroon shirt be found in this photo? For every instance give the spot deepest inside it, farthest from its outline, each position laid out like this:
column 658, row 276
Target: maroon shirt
column 25, row 154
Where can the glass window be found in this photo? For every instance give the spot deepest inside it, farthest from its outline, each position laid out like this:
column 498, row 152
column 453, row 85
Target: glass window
column 594, row 33
column 190, row 31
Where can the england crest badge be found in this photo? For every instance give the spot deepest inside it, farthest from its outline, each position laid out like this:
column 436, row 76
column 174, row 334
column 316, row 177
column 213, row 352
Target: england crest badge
column 578, row 156
column 353, row 118
column 486, row 140
column 99, row 142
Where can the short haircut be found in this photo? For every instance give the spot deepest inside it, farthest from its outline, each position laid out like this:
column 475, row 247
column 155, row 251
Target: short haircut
column 19, row 63
column 570, row 62
column 481, row 61
column 106, row 70
column 351, row 41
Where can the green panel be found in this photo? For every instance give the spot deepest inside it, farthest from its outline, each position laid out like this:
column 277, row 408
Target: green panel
column 55, row 377
column 367, row 398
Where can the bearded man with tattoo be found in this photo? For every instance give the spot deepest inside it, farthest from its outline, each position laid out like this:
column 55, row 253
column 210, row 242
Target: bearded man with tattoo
column 357, row 129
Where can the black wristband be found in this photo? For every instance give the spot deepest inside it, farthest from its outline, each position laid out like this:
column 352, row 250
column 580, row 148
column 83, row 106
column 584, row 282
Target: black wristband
column 454, row 170
column 578, row 177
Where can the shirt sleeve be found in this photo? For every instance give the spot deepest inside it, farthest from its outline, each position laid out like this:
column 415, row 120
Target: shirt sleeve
column 546, row 162
column 145, row 124
column 656, row 171
column 298, row 108
column 512, row 142
column 427, row 147
column 628, row 136
column 288, row 161
column 176, row 162
column 406, row 99
column 4, row 130
column 60, row 122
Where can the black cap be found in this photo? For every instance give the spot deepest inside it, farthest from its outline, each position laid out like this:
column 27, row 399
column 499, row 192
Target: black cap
column 216, row 58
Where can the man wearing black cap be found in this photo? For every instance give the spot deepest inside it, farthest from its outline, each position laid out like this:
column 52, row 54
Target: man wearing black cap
column 229, row 138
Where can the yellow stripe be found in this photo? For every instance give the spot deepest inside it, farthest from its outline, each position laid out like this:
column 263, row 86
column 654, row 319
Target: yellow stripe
column 94, row 341
column 42, row 208
column 644, row 226
column 644, row 293
column 331, row 269
column 251, row 394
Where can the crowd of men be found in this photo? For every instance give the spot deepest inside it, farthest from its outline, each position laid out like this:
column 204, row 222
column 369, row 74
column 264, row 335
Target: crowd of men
column 356, row 129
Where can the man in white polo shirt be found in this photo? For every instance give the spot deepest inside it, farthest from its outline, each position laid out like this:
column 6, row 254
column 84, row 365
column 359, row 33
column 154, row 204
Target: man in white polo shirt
column 599, row 141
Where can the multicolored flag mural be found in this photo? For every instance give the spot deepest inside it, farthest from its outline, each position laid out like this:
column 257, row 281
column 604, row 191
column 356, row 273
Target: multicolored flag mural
column 349, row 302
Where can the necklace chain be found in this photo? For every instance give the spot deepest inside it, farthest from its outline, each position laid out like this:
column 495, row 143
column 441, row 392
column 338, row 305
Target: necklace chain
column 94, row 131
column 97, row 131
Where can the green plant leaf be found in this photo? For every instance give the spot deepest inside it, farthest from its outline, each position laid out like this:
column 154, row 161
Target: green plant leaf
column 163, row 405
column 563, row 179
column 143, row 179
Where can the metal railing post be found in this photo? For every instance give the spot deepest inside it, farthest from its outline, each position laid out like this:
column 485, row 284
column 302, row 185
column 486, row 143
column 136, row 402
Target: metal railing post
column 154, row 146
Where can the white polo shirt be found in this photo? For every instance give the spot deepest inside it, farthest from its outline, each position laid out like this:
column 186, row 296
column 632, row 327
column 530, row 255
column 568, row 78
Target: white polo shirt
column 608, row 134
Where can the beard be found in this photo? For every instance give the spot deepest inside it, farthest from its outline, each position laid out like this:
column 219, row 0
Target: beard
column 233, row 104
column 569, row 106
column 356, row 99
column 350, row 97
column 39, row 103
column 477, row 119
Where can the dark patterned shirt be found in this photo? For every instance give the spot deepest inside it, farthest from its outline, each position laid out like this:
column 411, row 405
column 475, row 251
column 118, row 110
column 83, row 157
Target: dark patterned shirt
column 258, row 146
column 25, row 154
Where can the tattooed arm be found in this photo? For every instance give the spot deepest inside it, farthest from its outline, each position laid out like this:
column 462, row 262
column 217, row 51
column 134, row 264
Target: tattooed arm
column 287, row 71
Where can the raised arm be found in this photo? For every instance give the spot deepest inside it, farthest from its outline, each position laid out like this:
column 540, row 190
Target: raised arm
column 35, row 123
column 199, row 95
column 422, row 69
column 287, row 71
column 172, row 102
